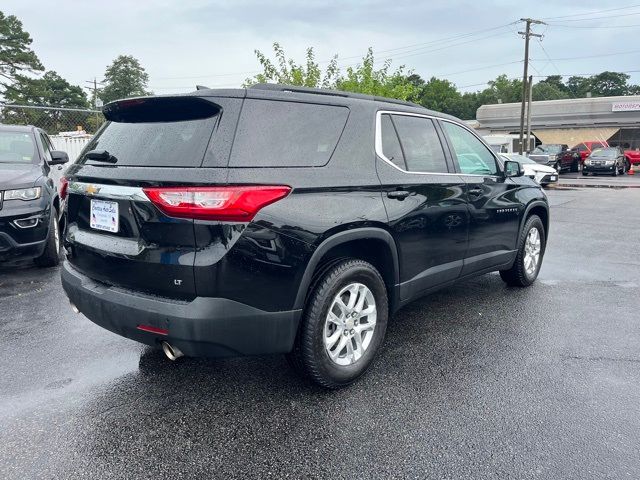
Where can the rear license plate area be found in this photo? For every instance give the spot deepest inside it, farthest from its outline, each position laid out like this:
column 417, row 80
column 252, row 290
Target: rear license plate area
column 104, row 216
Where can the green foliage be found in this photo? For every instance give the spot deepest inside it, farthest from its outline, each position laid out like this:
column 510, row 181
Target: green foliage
column 51, row 90
column 437, row 94
column 609, row 84
column 288, row 72
column 364, row 78
column 124, row 78
column 548, row 91
column 16, row 55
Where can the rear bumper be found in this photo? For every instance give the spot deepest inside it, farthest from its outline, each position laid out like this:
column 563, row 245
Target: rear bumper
column 211, row 327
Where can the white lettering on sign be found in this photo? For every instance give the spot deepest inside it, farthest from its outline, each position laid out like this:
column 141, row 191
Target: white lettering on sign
column 625, row 106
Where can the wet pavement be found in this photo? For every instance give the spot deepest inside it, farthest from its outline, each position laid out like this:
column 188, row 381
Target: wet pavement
column 476, row 381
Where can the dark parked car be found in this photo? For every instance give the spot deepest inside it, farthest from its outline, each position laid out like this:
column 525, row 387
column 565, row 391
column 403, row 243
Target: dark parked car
column 286, row 220
column 30, row 207
column 610, row 160
column 556, row 156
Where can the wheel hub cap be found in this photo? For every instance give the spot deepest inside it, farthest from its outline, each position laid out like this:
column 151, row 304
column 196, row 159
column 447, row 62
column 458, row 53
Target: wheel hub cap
column 350, row 323
column 532, row 248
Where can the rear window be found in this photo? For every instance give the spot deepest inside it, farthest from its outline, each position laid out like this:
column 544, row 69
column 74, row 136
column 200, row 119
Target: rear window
column 286, row 134
column 156, row 132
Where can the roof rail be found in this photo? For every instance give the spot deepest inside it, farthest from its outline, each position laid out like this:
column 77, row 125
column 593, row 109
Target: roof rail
column 327, row 91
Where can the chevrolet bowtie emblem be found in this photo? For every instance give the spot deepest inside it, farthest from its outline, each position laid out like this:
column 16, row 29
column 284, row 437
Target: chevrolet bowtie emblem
column 91, row 189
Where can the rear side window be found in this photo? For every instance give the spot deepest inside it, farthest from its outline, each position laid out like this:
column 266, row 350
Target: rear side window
column 420, row 144
column 286, row 134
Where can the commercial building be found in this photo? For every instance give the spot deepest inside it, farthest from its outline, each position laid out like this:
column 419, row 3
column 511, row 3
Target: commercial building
column 570, row 121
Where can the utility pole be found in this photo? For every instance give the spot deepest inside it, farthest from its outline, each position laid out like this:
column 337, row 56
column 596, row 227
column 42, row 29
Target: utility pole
column 529, row 95
column 527, row 35
column 96, row 101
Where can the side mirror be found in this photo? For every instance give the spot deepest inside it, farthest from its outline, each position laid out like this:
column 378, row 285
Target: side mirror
column 58, row 157
column 512, row 169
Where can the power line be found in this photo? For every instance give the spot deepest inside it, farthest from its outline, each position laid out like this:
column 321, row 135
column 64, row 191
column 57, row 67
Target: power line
column 593, row 13
column 423, row 45
column 588, row 56
column 594, row 26
column 597, row 18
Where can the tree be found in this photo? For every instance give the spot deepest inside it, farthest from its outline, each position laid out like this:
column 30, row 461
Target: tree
column 556, row 82
column 365, row 79
column 50, row 90
column 16, row 55
column 440, row 95
column 124, row 78
column 607, row 84
column 547, row 91
column 288, row 72
column 578, row 86
column 503, row 89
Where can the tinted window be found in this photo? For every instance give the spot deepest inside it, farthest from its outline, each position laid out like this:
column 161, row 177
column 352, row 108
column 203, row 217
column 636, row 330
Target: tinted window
column 390, row 144
column 596, row 145
column 286, row 134
column 156, row 144
column 473, row 156
column 420, row 144
column 16, row 147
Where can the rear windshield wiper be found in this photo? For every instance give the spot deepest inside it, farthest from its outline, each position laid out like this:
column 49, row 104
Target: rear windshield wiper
column 100, row 156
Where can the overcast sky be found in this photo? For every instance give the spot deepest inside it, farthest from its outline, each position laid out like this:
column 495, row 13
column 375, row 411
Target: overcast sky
column 188, row 42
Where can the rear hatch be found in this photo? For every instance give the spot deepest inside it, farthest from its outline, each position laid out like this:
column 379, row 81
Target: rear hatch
column 117, row 233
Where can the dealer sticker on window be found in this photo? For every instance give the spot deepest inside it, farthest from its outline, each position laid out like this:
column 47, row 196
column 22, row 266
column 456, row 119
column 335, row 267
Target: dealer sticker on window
column 104, row 215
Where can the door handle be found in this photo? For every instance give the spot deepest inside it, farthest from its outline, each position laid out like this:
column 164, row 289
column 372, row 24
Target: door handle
column 398, row 194
column 475, row 191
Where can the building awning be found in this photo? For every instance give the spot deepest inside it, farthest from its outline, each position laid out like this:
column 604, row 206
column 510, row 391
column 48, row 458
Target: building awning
column 574, row 136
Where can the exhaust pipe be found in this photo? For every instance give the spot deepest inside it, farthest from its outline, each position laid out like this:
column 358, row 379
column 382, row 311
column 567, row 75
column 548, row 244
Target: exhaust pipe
column 172, row 353
column 74, row 308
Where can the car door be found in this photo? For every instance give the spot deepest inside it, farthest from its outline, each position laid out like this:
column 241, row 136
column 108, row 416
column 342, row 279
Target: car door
column 494, row 206
column 424, row 199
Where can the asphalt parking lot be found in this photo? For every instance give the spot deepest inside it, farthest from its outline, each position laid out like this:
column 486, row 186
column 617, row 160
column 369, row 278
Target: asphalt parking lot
column 476, row 381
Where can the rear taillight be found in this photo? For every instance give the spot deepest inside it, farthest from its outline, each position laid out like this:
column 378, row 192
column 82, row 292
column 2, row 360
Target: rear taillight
column 233, row 204
column 64, row 185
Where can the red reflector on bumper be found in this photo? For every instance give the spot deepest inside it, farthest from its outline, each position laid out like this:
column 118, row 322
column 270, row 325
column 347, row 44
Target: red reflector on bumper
column 150, row 329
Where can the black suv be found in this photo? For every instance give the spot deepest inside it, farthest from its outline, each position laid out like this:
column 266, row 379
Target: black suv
column 30, row 208
column 286, row 220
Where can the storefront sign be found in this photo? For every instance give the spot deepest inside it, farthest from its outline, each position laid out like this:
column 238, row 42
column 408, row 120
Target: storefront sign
column 625, row 107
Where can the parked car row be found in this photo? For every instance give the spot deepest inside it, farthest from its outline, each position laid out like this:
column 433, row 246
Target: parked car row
column 590, row 157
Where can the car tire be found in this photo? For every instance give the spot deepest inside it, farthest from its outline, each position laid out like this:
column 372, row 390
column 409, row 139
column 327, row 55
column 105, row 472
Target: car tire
column 615, row 171
column 322, row 350
column 51, row 255
column 523, row 273
column 558, row 167
column 584, row 174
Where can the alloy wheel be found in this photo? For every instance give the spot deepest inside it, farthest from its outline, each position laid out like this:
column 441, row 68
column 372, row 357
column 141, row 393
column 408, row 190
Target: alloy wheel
column 532, row 249
column 350, row 323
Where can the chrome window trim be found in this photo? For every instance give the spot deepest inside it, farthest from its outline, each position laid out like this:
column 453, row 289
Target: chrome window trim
column 113, row 192
column 378, row 142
